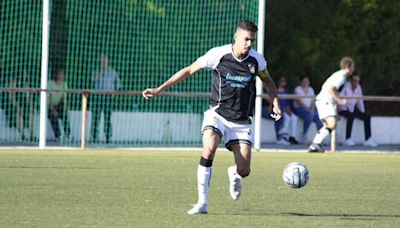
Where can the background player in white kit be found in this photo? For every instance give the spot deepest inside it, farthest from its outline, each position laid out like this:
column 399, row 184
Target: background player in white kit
column 235, row 67
column 327, row 100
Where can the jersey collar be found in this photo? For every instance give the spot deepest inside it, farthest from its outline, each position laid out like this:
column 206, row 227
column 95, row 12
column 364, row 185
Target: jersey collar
column 239, row 60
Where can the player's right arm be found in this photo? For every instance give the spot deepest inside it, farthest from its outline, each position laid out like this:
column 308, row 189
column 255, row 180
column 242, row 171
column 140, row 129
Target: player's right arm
column 174, row 79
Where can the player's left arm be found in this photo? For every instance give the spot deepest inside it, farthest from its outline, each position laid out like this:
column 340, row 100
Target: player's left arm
column 271, row 89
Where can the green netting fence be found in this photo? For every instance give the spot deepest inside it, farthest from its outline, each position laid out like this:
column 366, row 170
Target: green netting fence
column 114, row 45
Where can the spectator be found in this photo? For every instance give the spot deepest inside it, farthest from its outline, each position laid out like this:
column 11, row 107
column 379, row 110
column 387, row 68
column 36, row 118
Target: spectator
column 21, row 112
column 58, row 105
column 104, row 79
column 355, row 109
column 266, row 112
column 288, row 117
column 13, row 109
column 305, row 107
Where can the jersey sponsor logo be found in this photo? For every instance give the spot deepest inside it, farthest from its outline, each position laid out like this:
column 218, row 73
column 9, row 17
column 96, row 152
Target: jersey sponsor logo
column 238, row 81
column 252, row 68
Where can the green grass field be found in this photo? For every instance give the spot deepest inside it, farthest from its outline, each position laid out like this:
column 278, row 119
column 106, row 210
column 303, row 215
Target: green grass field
column 100, row 188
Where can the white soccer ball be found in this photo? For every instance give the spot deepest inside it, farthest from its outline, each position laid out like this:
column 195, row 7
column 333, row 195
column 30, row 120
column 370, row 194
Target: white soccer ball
column 295, row 175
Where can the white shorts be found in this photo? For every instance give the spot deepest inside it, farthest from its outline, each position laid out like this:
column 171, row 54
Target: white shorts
column 325, row 109
column 231, row 132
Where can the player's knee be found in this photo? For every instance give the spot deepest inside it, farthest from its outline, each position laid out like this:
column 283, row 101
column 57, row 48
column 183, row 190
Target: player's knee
column 208, row 154
column 243, row 172
column 330, row 124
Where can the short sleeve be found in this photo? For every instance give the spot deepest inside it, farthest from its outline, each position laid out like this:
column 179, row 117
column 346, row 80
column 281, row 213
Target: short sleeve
column 297, row 90
column 262, row 63
column 212, row 58
column 311, row 91
column 338, row 79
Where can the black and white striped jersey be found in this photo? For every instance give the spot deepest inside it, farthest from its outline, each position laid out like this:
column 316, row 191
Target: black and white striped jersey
column 233, row 84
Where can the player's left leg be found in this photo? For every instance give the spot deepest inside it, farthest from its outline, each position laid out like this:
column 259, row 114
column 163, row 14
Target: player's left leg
column 242, row 153
column 239, row 139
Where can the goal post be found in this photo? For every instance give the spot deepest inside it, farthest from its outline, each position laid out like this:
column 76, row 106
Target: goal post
column 259, row 85
column 44, row 74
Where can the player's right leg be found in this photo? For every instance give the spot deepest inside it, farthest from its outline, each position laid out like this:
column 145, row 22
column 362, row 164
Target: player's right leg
column 327, row 112
column 204, row 171
column 212, row 134
column 329, row 124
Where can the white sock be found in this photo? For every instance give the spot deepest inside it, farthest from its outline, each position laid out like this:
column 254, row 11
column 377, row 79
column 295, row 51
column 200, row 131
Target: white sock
column 293, row 127
column 203, row 182
column 323, row 132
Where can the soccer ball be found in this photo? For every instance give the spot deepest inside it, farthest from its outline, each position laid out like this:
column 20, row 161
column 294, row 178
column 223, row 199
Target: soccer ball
column 295, row 175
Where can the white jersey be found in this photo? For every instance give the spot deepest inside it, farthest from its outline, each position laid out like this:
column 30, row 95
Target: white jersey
column 337, row 79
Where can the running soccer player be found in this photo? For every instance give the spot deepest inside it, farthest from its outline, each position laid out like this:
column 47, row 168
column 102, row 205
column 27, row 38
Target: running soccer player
column 327, row 100
column 235, row 67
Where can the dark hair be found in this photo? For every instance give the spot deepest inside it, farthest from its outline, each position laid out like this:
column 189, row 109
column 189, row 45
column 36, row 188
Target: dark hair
column 302, row 77
column 248, row 26
column 55, row 76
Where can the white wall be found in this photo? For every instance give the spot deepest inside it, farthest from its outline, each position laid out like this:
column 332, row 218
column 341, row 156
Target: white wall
column 126, row 126
column 185, row 127
column 384, row 130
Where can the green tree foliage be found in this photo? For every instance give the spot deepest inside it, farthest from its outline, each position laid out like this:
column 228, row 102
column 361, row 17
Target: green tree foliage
column 310, row 37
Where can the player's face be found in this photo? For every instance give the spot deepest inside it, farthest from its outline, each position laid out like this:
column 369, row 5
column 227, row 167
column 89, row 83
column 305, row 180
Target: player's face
column 351, row 69
column 244, row 41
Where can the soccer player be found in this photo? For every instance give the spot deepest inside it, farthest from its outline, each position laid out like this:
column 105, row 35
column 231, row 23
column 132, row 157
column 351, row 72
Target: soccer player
column 327, row 100
column 235, row 67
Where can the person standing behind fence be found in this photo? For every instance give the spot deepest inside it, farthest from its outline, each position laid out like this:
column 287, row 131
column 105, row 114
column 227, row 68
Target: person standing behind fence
column 355, row 109
column 14, row 108
column 104, row 79
column 305, row 107
column 58, row 105
column 22, row 111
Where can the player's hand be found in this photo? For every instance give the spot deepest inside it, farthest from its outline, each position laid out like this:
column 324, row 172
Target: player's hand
column 276, row 115
column 343, row 101
column 149, row 93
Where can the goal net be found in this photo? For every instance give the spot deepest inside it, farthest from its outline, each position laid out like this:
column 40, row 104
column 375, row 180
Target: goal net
column 120, row 45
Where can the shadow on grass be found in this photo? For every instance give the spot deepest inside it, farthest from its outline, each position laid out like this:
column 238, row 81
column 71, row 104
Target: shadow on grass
column 342, row 216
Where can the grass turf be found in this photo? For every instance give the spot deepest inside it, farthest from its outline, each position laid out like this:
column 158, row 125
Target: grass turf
column 155, row 189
